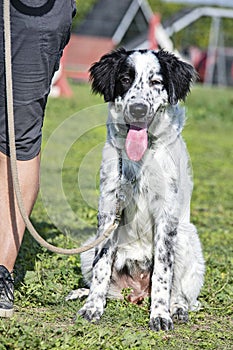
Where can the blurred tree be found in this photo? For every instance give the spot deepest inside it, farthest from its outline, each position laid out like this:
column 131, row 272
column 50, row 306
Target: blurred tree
column 83, row 7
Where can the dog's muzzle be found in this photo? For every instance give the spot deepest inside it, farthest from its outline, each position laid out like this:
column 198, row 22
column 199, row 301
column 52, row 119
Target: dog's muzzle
column 137, row 139
column 138, row 110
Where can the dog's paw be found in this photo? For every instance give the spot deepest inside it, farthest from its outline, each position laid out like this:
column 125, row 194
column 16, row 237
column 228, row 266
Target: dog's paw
column 180, row 315
column 77, row 294
column 91, row 311
column 160, row 323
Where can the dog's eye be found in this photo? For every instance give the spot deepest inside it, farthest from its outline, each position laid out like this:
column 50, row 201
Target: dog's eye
column 125, row 80
column 154, row 82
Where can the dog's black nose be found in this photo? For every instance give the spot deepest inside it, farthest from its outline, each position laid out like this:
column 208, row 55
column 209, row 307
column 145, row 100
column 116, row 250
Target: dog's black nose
column 138, row 110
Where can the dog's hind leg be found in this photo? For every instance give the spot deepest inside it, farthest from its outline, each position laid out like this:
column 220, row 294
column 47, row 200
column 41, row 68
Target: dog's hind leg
column 87, row 259
column 188, row 273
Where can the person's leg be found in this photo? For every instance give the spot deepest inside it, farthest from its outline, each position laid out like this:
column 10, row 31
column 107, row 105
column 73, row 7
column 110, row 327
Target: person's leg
column 44, row 37
column 11, row 223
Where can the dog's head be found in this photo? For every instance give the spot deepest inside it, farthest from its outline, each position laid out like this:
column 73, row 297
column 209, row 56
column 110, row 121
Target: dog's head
column 139, row 83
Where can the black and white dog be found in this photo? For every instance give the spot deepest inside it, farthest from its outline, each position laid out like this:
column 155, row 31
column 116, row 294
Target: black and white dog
column 146, row 170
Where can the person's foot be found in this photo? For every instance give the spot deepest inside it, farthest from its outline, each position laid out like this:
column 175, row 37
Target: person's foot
column 6, row 293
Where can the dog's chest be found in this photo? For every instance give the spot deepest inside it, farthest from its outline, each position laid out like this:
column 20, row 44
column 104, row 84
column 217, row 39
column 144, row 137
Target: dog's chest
column 139, row 194
column 140, row 186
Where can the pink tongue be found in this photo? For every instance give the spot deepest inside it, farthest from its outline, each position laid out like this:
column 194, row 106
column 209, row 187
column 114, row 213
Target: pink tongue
column 136, row 143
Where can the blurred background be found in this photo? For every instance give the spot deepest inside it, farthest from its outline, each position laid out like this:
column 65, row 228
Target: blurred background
column 201, row 31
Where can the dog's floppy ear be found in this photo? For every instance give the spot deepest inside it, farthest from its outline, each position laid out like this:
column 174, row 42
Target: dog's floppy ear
column 103, row 73
column 177, row 75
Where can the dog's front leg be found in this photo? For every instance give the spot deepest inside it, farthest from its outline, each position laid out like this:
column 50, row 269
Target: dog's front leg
column 102, row 268
column 104, row 253
column 165, row 238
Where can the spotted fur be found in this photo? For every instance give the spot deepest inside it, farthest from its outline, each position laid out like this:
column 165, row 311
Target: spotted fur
column 156, row 250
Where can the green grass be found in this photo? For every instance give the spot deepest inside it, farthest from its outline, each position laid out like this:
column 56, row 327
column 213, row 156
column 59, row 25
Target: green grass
column 43, row 320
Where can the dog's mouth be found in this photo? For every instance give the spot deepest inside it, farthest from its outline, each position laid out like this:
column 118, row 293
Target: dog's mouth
column 136, row 141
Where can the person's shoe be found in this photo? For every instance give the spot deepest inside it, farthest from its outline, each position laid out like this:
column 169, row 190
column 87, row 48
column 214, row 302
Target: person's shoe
column 6, row 293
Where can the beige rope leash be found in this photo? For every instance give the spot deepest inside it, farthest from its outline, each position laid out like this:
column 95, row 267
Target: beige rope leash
column 13, row 160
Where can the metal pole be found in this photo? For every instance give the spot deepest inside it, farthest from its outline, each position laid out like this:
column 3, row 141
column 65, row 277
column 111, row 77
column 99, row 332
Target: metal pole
column 212, row 51
column 221, row 61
